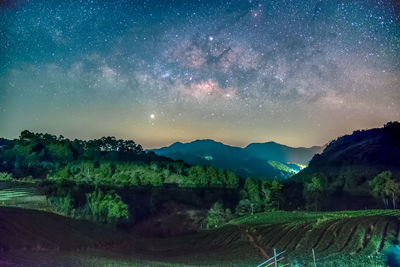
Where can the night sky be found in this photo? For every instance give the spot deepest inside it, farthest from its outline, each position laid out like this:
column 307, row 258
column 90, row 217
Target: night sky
column 295, row 72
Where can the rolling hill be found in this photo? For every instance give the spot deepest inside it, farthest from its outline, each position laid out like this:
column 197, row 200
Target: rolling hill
column 348, row 163
column 257, row 159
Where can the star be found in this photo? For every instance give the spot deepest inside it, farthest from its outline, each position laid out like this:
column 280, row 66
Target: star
column 257, row 62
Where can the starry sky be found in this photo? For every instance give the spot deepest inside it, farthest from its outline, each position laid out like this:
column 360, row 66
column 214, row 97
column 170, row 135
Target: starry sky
column 295, row 72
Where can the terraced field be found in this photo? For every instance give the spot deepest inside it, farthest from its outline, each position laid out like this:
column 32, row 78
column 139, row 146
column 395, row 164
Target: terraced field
column 356, row 237
column 20, row 195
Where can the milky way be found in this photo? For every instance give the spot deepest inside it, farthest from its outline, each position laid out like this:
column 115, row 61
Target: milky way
column 296, row 72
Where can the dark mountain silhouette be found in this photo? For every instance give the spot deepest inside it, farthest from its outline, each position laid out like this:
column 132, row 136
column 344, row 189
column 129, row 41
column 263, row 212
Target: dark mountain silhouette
column 282, row 153
column 259, row 159
column 348, row 163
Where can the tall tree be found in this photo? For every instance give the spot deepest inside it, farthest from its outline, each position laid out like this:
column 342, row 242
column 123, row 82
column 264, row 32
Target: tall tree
column 314, row 190
column 384, row 186
column 276, row 193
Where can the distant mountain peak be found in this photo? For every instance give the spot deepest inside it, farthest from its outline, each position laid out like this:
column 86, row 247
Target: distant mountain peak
column 253, row 160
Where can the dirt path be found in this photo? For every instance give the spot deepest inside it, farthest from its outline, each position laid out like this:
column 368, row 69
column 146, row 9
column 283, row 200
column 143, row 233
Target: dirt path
column 253, row 241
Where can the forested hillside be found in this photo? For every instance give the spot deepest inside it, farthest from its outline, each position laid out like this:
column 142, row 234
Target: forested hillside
column 347, row 167
column 106, row 160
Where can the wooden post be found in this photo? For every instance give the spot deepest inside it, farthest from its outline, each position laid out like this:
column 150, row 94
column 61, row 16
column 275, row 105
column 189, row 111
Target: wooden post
column 276, row 262
column 313, row 255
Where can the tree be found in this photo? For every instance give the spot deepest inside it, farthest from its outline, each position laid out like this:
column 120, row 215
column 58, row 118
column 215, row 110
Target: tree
column 314, row 190
column 384, row 186
column 215, row 216
column 250, row 190
column 231, row 179
column 276, row 193
column 60, row 152
column 197, row 176
column 213, row 177
column 246, row 207
column 266, row 194
column 251, row 193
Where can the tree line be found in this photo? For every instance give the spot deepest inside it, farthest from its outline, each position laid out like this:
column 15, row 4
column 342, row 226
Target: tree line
column 110, row 162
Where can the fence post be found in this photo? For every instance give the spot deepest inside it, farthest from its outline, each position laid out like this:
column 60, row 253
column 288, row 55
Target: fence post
column 276, row 262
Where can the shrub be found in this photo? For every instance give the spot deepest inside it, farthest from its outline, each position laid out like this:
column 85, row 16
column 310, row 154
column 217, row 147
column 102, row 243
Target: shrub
column 4, row 176
column 106, row 208
column 217, row 216
column 62, row 204
column 28, row 179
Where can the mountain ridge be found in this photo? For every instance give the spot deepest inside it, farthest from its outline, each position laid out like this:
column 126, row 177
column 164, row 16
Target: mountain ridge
column 269, row 159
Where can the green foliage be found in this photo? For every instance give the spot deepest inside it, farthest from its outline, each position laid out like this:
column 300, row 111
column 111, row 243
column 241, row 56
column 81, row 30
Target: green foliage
column 196, row 177
column 28, row 179
column 384, row 186
column 105, row 161
column 314, row 190
column 62, row 204
column 265, row 191
column 232, row 180
column 215, row 178
column 217, row 217
column 250, row 190
column 63, row 173
column 260, row 195
column 60, row 151
column 276, row 193
column 4, row 176
column 106, row 207
column 246, row 207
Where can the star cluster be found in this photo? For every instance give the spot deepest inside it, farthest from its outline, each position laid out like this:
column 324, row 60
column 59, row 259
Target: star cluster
column 296, row 72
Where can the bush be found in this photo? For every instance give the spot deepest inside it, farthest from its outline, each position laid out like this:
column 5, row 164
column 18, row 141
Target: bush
column 106, row 208
column 217, row 217
column 62, row 204
column 28, row 179
column 4, row 176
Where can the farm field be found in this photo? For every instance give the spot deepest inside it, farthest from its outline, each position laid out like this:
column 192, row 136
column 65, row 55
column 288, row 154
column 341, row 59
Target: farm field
column 23, row 195
column 348, row 238
column 351, row 238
